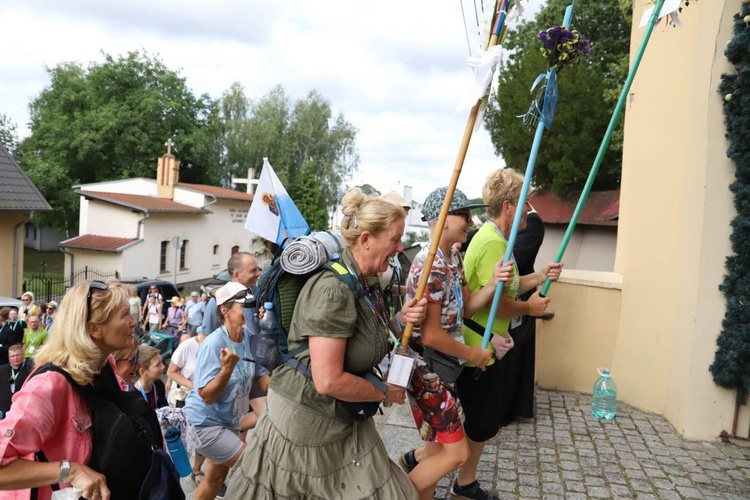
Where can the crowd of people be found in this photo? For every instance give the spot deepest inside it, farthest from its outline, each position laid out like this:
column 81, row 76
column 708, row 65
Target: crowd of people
column 311, row 436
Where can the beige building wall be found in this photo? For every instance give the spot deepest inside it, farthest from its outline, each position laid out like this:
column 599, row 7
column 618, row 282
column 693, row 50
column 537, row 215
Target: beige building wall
column 110, row 220
column 659, row 332
column 583, row 334
column 591, row 248
column 105, row 262
column 675, row 209
column 11, row 236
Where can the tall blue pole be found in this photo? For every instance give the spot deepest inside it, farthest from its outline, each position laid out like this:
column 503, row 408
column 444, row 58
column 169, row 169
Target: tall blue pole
column 551, row 76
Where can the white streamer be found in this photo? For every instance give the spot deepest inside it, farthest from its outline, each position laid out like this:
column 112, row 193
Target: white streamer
column 484, row 70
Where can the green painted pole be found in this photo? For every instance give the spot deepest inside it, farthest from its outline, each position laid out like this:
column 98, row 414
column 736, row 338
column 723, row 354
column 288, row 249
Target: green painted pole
column 607, row 137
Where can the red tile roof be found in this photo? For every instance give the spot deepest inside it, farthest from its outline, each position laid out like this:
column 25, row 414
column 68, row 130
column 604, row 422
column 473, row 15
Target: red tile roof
column 96, row 242
column 602, row 208
column 146, row 204
column 218, row 192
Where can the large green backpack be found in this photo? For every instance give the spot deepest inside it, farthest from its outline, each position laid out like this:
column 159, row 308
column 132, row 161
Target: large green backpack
column 282, row 289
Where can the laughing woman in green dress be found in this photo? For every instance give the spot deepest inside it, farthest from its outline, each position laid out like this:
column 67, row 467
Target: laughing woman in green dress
column 306, row 444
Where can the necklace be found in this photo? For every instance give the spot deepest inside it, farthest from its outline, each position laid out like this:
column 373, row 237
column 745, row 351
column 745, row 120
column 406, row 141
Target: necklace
column 375, row 301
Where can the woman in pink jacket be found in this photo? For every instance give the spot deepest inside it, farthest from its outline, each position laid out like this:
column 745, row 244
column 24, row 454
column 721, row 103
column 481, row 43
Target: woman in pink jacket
column 48, row 414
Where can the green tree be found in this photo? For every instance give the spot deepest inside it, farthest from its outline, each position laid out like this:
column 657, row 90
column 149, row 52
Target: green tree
column 309, row 148
column 731, row 366
column 110, row 121
column 309, row 198
column 587, row 93
column 8, row 133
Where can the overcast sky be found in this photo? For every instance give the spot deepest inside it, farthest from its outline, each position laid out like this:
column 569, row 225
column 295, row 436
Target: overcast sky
column 395, row 69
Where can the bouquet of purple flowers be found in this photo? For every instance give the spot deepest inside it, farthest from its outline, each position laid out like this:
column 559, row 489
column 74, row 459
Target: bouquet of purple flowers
column 562, row 47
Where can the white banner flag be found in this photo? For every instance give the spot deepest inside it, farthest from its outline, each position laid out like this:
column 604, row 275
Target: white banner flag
column 273, row 215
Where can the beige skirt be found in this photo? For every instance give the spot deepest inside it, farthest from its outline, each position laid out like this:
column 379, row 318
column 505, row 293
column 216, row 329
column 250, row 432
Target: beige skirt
column 296, row 453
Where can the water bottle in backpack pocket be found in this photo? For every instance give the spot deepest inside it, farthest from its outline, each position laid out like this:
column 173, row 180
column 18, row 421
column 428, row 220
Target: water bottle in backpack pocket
column 264, row 345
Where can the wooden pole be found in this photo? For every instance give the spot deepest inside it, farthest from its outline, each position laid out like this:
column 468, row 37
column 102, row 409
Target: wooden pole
column 458, row 166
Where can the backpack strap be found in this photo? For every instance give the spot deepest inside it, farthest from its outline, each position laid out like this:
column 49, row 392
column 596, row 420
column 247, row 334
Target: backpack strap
column 343, row 274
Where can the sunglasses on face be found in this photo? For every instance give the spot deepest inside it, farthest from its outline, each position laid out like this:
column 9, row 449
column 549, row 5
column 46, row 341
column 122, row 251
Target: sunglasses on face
column 93, row 286
column 241, row 295
column 463, row 214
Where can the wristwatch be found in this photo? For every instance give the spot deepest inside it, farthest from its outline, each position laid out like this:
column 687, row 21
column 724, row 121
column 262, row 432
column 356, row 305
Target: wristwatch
column 64, row 471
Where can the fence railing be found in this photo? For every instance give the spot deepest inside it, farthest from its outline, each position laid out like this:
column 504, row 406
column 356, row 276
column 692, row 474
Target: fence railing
column 46, row 289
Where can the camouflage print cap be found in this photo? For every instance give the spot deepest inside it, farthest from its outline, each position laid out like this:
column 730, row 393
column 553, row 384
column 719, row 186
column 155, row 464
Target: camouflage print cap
column 434, row 202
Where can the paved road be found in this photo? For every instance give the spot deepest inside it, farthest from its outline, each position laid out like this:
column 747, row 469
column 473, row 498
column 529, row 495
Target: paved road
column 565, row 453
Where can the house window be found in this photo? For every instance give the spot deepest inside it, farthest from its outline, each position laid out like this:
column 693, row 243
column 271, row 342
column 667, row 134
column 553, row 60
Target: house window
column 215, row 258
column 163, row 257
column 183, row 255
column 235, row 249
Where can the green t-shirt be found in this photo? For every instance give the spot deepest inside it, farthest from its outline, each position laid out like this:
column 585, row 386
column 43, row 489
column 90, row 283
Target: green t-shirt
column 485, row 250
column 33, row 341
column 326, row 308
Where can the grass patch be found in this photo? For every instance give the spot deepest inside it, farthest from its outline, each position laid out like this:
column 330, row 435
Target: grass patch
column 49, row 264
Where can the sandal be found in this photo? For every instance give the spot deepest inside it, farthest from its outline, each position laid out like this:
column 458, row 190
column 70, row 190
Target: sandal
column 408, row 461
column 197, row 476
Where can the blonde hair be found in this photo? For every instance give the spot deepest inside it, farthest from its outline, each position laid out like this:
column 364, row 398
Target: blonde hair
column 366, row 213
column 71, row 346
column 501, row 185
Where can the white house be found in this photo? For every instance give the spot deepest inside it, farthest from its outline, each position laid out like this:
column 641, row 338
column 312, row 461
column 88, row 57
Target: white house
column 592, row 245
column 160, row 228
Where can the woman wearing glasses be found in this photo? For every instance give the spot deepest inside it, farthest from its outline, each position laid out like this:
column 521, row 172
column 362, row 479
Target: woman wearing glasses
column 218, row 404
column 48, row 413
column 126, row 364
column 28, row 308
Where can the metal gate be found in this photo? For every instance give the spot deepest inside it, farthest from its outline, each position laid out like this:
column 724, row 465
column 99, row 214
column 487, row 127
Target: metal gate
column 46, row 289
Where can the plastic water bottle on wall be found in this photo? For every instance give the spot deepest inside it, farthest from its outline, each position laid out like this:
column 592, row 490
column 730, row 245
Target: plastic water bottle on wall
column 604, row 402
column 177, row 452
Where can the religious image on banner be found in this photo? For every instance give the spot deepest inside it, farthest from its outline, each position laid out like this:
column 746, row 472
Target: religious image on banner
column 273, row 215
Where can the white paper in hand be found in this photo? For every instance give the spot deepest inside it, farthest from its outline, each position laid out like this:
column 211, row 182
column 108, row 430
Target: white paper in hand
column 400, row 371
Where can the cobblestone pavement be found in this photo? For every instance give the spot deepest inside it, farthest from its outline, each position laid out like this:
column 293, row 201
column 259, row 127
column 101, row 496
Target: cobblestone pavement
column 567, row 453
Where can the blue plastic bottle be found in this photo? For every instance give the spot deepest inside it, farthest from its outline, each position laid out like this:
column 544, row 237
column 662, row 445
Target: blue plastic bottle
column 268, row 322
column 604, row 401
column 266, row 349
column 177, row 452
